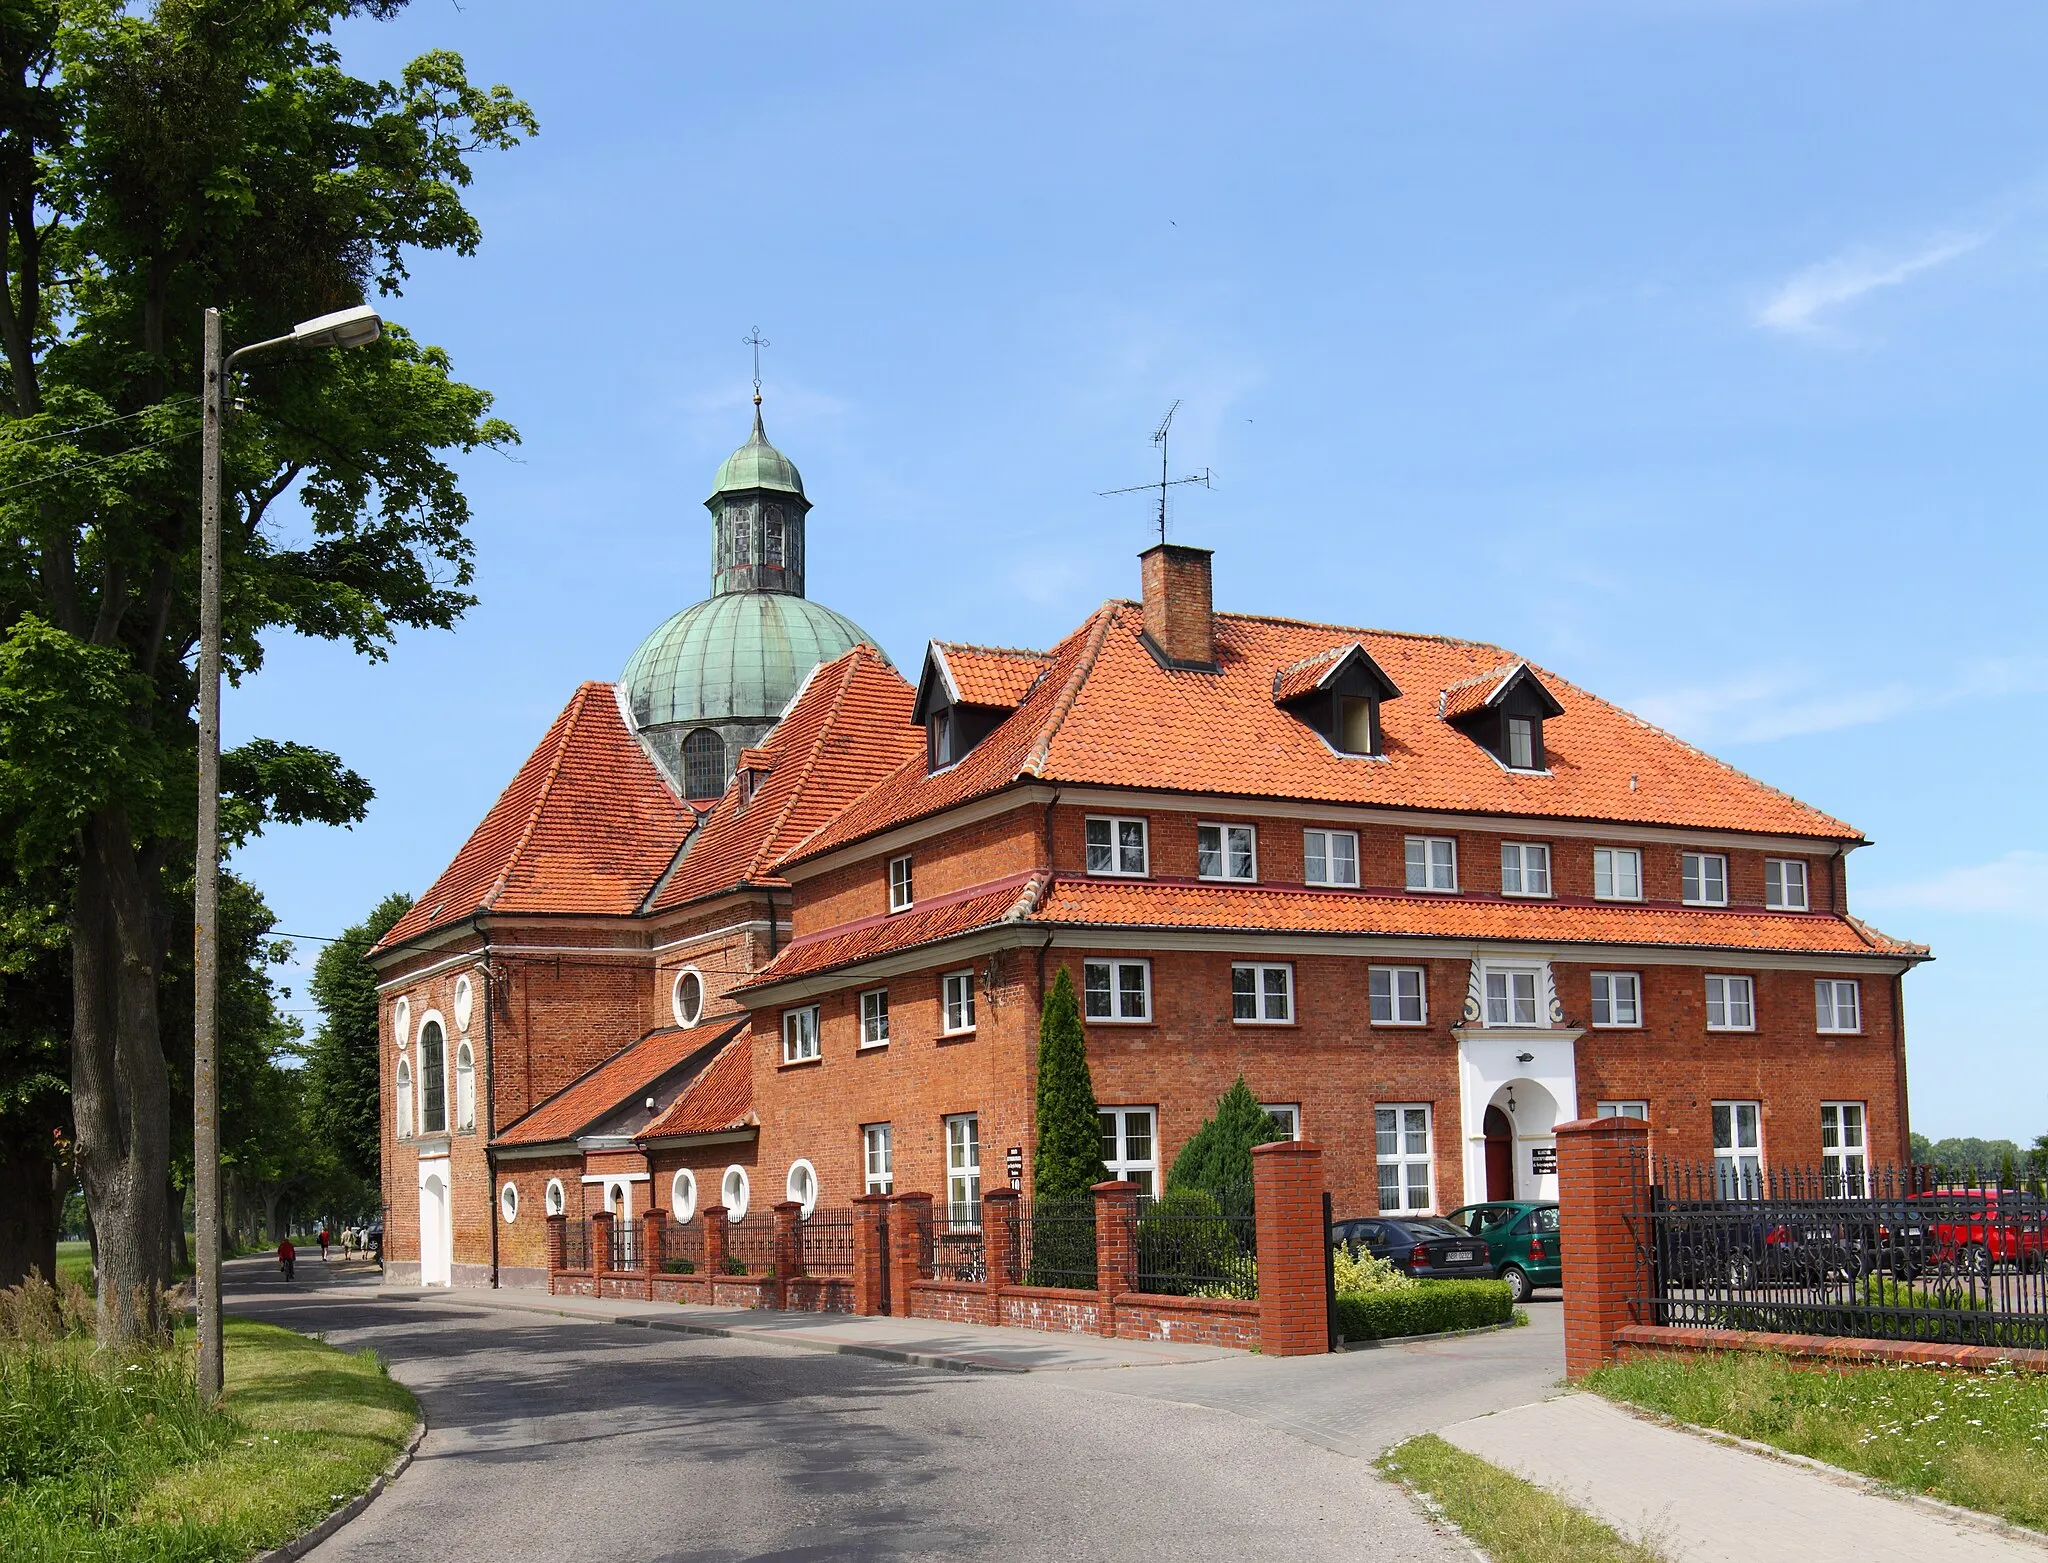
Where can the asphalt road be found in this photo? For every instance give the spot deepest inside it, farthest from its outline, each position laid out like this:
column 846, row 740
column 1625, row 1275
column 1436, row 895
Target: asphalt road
column 552, row 1439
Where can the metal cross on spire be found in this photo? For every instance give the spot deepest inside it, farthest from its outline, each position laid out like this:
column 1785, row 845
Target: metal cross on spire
column 756, row 341
column 1165, row 482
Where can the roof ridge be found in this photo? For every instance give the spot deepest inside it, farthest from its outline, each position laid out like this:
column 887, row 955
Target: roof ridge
column 996, row 651
column 1341, row 629
column 764, row 853
column 1040, row 751
column 540, row 800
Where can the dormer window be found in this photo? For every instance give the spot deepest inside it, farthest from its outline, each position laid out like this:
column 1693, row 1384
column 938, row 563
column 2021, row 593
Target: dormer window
column 1522, row 743
column 967, row 692
column 1503, row 712
column 1338, row 692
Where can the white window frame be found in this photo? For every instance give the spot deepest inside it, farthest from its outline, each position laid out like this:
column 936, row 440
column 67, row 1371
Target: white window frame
column 1502, row 1010
column 902, row 887
column 1730, row 985
column 1394, row 996
column 1614, row 857
column 1229, row 847
column 878, row 1158
column 1779, row 868
column 1115, row 993
column 1328, row 839
column 963, row 1170
column 1730, row 1174
column 465, row 1087
column 1523, row 873
column 735, row 1192
column 685, row 1017
column 420, row 1051
column 1288, row 1113
column 1828, row 993
column 1850, row 1157
column 1529, row 731
column 1636, row 1108
column 555, row 1199
column 1403, row 1160
column 800, row 1042
column 1604, row 993
column 682, row 1195
column 801, row 1184
column 874, row 1018
column 1116, row 1124
column 1695, row 870
column 1116, row 847
column 1262, row 996
column 508, row 1202
column 1431, row 864
column 956, row 1003
column 402, row 1091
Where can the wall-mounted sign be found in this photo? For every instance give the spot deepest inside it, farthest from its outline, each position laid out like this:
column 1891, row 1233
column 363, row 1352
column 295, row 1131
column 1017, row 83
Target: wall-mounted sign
column 1013, row 1162
column 1543, row 1160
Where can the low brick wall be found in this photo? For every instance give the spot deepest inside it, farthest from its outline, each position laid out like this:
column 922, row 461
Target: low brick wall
column 1205, row 1321
column 1656, row 1340
column 818, row 1294
column 1051, row 1308
column 956, row 1302
column 1133, row 1315
column 745, row 1291
column 682, row 1288
column 571, row 1283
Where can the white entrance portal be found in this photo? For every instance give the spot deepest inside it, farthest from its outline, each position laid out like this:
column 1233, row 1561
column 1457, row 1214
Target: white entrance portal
column 437, row 1231
column 1533, row 1069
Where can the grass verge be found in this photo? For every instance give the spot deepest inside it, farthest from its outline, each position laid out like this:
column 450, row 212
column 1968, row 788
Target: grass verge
column 1975, row 1439
column 1511, row 1520
column 116, row 1462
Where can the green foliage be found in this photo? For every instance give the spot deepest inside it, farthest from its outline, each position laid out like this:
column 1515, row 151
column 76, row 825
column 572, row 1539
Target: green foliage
column 1187, row 1246
column 341, row 1079
column 1362, row 1272
column 1219, row 1157
column 1506, row 1518
column 1427, row 1308
column 1967, row 1158
column 1069, row 1159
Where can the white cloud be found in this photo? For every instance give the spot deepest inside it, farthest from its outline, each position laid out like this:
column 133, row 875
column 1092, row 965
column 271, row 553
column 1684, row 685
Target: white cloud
column 1760, row 706
column 2015, row 885
column 1844, row 278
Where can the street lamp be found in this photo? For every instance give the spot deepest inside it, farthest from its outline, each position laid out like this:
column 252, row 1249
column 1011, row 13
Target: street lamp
column 344, row 328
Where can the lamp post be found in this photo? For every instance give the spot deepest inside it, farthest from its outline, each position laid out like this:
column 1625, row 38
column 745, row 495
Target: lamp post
column 344, row 328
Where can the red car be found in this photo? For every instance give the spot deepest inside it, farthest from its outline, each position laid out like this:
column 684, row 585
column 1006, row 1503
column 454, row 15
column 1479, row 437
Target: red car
column 1979, row 1228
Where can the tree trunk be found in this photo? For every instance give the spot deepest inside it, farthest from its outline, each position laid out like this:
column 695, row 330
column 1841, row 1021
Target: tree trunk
column 270, row 1199
column 28, row 1218
column 120, row 1090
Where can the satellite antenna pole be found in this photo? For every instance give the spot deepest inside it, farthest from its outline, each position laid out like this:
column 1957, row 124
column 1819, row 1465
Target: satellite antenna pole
column 1165, row 482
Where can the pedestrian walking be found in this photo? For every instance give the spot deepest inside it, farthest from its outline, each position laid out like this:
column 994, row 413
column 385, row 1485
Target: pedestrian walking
column 286, row 1254
column 325, row 1239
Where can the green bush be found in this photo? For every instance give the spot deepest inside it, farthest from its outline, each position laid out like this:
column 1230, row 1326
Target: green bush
column 1362, row 1272
column 1187, row 1247
column 1219, row 1156
column 1427, row 1308
column 679, row 1267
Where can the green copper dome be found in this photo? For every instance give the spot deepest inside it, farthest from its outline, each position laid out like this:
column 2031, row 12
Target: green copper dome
column 740, row 655
column 756, row 464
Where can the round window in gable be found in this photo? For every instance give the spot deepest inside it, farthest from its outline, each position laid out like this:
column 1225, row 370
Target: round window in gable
column 508, row 1202
column 732, row 1193
column 461, row 1004
column 556, row 1200
column 401, row 1022
column 802, row 1185
column 688, row 998
column 682, row 1195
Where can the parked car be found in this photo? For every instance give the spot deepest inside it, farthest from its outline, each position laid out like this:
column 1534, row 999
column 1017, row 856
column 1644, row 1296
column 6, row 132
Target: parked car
column 1972, row 1229
column 1521, row 1237
column 1714, row 1243
column 1427, row 1247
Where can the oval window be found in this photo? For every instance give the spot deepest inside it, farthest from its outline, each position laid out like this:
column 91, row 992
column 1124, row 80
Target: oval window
column 508, row 1202
column 688, row 998
column 732, row 1191
column 461, row 1004
column 401, row 1022
column 802, row 1185
column 682, row 1195
column 557, row 1201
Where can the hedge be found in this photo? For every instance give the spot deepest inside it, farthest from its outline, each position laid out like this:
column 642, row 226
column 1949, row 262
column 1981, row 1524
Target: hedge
column 1426, row 1309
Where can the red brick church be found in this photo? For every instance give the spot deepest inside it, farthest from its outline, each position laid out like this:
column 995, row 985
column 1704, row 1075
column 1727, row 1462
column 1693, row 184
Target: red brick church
column 764, row 922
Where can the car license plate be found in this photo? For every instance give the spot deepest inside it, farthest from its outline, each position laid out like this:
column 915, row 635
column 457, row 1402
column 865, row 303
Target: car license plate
column 1458, row 1256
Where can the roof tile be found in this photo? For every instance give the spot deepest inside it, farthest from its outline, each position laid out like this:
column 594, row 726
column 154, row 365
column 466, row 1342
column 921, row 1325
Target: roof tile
column 614, row 1083
column 721, row 1098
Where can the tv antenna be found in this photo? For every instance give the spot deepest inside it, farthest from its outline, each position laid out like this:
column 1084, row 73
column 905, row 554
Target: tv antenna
column 1165, row 482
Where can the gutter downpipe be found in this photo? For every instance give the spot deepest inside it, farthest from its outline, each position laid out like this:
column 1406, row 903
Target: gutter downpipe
column 490, row 1093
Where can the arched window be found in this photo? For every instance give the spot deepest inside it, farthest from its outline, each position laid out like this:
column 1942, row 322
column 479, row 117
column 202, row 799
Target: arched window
column 556, row 1200
column 465, row 1088
column 688, row 998
column 802, row 1185
column 703, row 764
column 433, row 1079
column 404, row 1100
column 739, row 520
column 682, row 1195
column 771, row 535
column 733, row 1192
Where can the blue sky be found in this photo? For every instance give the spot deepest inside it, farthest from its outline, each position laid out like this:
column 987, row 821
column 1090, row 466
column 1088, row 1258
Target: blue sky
column 1692, row 349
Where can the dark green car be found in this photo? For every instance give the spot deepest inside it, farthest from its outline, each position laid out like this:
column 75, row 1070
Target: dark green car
column 1522, row 1237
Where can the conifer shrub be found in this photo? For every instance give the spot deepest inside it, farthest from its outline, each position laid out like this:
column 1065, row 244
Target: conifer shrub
column 1068, row 1160
column 1219, row 1157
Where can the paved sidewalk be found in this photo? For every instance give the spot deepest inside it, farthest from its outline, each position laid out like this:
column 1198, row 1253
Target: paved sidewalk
column 922, row 1342
column 1700, row 1501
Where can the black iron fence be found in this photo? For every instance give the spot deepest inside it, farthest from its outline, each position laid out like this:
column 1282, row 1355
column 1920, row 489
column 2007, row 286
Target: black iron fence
column 1882, row 1253
column 750, row 1244
column 682, row 1247
column 958, row 1252
column 1056, row 1242
column 576, row 1244
column 1193, row 1243
column 825, row 1242
column 625, row 1252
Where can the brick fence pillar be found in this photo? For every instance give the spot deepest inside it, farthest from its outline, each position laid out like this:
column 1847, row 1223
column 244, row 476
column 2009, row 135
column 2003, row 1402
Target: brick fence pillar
column 715, row 1251
column 652, row 1226
column 999, row 1246
column 601, row 1242
column 870, row 1259
column 789, row 1248
column 1294, row 1298
column 1116, row 1248
column 1602, row 1180
column 910, row 1247
column 558, row 1242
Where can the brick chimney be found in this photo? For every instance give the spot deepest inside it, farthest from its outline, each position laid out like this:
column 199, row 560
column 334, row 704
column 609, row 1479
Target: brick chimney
column 1180, row 618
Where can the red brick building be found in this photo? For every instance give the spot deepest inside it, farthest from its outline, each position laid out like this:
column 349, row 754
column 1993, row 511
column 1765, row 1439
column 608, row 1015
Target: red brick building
column 1427, row 899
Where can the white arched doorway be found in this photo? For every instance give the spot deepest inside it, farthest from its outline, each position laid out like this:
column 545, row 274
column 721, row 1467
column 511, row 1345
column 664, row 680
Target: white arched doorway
column 1534, row 1067
column 1528, row 1114
column 437, row 1231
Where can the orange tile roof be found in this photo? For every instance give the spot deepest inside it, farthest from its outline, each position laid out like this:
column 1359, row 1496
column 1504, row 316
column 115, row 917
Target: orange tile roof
column 989, row 675
column 721, row 1098
column 1106, row 713
column 1475, row 694
column 1009, row 900
column 616, row 1082
column 1307, row 675
column 848, row 726
column 585, row 826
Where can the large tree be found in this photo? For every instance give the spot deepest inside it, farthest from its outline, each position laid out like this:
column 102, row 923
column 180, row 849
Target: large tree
column 342, row 1083
column 156, row 159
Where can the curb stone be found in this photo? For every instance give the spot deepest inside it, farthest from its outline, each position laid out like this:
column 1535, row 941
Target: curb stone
column 293, row 1550
column 1409, row 1340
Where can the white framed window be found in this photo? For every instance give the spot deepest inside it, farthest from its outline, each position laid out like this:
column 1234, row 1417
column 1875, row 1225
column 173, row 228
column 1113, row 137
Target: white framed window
column 1617, row 998
column 463, row 998
column 956, row 1000
column 963, row 1170
column 556, row 1199
column 800, row 1034
column 802, row 1184
column 1521, row 743
column 682, row 1195
column 1617, row 874
column 1731, row 1004
column 1838, row 1005
column 1330, row 857
column 1511, row 998
column 1116, row 990
column 433, row 1057
column 508, row 1203
column 1226, row 852
column 1398, row 996
column 899, row 883
column 1524, row 868
column 1262, row 995
column 1637, row 1110
column 735, row 1192
column 404, row 1095
column 1401, row 1132
column 878, row 1158
column 1739, row 1148
column 1432, row 863
column 1844, row 1153
column 401, row 1023
column 686, row 997
column 465, row 1088
column 1287, row 1115
column 1117, row 845
column 874, row 1018
column 1130, row 1145
column 1785, row 884
column 1703, row 878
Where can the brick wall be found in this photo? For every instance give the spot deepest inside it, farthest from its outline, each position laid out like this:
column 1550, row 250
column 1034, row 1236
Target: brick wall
column 949, row 860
